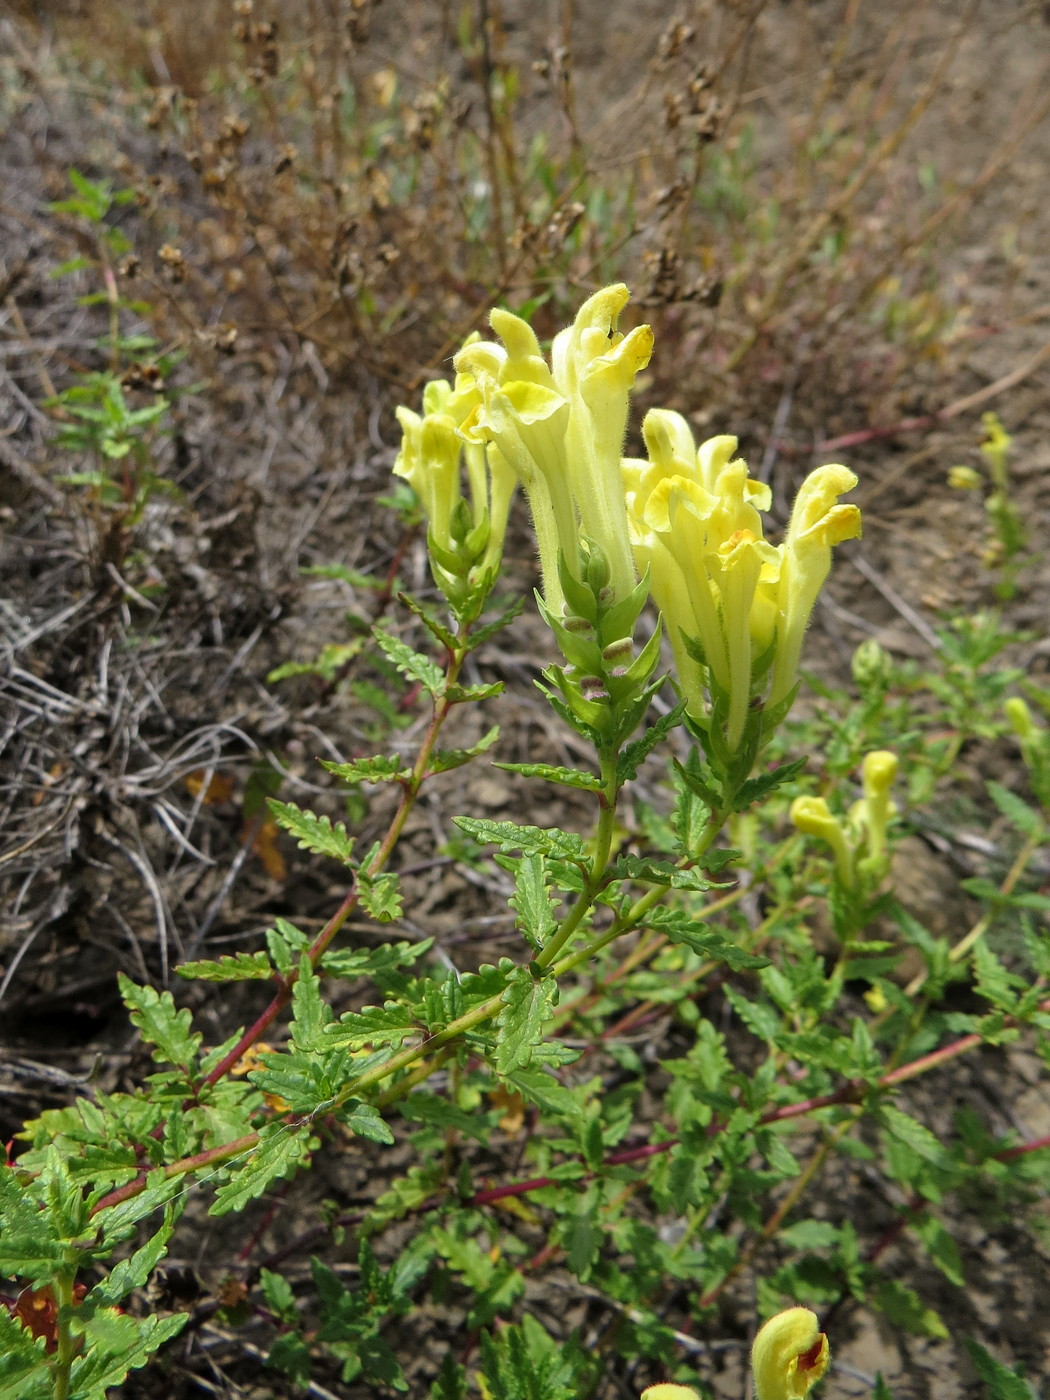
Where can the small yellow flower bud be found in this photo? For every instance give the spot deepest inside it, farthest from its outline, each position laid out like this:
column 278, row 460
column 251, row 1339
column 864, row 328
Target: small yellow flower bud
column 1020, row 717
column 813, row 817
column 965, row 479
column 876, row 999
column 667, row 1391
column 871, row 665
column 878, row 772
column 789, row 1356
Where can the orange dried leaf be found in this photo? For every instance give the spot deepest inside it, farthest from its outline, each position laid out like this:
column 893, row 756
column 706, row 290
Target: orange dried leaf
column 513, row 1106
column 266, row 848
column 218, row 788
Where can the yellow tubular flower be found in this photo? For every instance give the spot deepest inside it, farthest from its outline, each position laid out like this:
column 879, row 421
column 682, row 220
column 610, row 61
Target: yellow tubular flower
column 878, row 772
column 813, row 817
column 817, row 523
column 789, row 1356
column 429, row 462
column 561, row 428
column 741, row 559
column 667, row 1391
column 594, row 365
column 667, row 584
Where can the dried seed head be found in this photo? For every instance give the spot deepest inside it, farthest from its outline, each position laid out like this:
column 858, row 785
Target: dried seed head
column 174, row 262
column 674, row 39
column 286, row 159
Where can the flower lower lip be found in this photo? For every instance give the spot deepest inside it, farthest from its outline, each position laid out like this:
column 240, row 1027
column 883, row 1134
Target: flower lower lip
column 811, row 1358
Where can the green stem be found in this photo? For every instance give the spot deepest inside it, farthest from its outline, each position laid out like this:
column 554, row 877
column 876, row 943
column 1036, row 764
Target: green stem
column 62, row 1286
column 599, row 866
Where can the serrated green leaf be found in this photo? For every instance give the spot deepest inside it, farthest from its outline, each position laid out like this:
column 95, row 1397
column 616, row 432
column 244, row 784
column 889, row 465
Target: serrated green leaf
column 310, row 1013
column 903, row 1307
column 24, row 1370
column 532, row 900
column 693, row 777
column 583, row 1238
column 412, row 664
column 458, row 694
column 236, row 967
column 480, row 635
column 760, row 1018
column 279, row 1294
column 1016, row 811
column 530, row 840
column 133, row 1272
column 160, row 1024
column 661, row 872
column 290, row 1355
column 635, row 754
column 527, row 1005
column 380, row 769
column 116, row 1345
column 373, row 1025
column 564, row 777
column 1002, row 1383
column 450, row 1382
column 365, row 1121
column 430, row 621
column 439, row 1112
column 810, row 1234
column 380, row 896
column 709, row 942
column 349, row 963
column 756, row 788
column 285, row 943
column 443, row 760
column 279, row 1150
column 118, row 1222
column 994, row 982
column 941, row 1248
column 313, row 833
column 913, row 1134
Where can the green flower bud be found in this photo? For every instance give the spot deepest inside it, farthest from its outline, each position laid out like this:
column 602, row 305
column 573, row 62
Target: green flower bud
column 1020, row 718
column 871, row 665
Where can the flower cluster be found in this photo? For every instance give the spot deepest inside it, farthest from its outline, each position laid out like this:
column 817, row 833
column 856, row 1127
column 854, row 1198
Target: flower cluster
column 736, row 607
column 464, row 534
column 561, row 427
column 686, row 520
column 859, row 844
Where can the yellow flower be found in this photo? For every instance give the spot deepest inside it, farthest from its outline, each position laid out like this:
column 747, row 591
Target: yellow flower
column 817, row 523
column 667, row 1391
column 725, row 592
column 561, row 427
column 789, row 1356
column 465, row 536
column 813, row 817
column 1020, row 718
column 965, row 479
